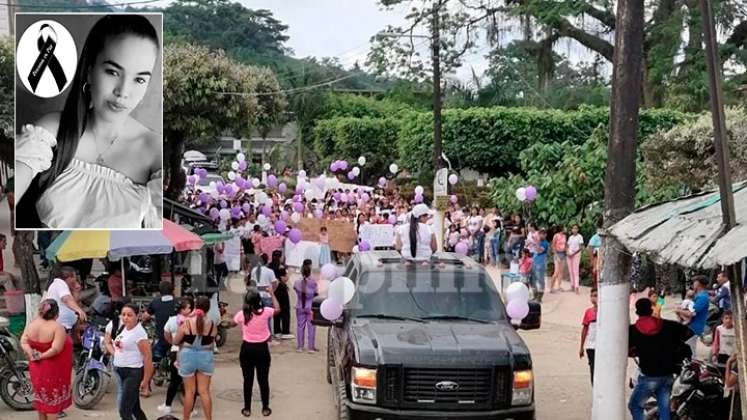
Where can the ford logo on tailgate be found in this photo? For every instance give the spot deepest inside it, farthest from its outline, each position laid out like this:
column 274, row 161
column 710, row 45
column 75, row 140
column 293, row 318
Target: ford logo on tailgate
column 447, row 386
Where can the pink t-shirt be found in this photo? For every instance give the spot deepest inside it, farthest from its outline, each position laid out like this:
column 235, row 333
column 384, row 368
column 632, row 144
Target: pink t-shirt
column 257, row 330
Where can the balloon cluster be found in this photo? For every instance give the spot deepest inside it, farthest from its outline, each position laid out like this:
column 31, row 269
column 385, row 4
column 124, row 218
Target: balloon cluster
column 341, row 291
column 517, row 296
column 526, row 194
column 342, row 166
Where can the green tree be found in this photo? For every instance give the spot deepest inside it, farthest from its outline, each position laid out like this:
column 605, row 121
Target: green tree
column 196, row 111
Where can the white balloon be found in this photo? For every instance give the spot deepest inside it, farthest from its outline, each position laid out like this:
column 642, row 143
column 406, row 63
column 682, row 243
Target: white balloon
column 393, row 168
column 235, row 166
column 302, row 184
column 296, row 217
column 419, row 190
column 302, row 173
column 355, row 249
column 342, row 289
column 225, row 214
column 266, row 167
column 356, row 171
column 214, row 194
column 241, row 157
column 256, row 182
column 517, row 290
column 521, row 194
column 262, row 197
column 232, row 175
column 212, row 185
column 261, row 219
column 362, row 160
column 309, row 194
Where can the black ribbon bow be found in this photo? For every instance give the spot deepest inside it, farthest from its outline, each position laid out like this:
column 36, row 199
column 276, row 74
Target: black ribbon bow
column 47, row 59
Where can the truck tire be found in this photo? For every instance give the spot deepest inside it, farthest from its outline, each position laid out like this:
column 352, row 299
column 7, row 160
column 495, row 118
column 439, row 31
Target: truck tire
column 343, row 412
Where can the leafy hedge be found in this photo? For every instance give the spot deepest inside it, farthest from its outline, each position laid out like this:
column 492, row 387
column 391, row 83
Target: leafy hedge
column 348, row 138
column 488, row 140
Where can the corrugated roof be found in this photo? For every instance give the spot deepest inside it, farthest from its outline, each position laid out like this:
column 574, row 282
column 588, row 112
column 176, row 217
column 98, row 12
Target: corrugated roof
column 687, row 231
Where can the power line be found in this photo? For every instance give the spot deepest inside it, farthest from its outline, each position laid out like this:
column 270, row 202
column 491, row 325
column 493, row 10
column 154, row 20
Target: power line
column 87, row 6
column 293, row 90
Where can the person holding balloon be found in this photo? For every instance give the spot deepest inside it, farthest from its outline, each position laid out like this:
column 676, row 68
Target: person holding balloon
column 415, row 240
column 306, row 289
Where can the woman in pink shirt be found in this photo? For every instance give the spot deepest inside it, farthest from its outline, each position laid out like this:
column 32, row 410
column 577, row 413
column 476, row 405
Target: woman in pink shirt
column 559, row 244
column 255, row 352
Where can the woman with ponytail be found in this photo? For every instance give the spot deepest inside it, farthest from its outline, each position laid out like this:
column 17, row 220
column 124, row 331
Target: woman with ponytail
column 415, row 240
column 196, row 364
column 305, row 288
column 255, row 351
column 50, row 353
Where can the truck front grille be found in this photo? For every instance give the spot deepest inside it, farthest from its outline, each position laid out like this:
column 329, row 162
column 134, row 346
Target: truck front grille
column 469, row 388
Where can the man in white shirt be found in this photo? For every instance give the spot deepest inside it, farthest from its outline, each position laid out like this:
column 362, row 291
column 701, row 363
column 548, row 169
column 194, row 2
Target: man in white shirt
column 59, row 289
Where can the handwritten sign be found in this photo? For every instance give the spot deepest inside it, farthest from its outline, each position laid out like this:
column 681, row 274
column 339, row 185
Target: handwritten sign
column 378, row 235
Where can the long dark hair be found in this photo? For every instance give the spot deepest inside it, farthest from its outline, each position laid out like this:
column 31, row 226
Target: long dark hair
column 202, row 303
column 258, row 270
column 252, row 304
column 414, row 235
column 74, row 116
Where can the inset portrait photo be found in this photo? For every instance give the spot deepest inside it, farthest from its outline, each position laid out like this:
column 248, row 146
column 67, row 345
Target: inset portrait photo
column 89, row 121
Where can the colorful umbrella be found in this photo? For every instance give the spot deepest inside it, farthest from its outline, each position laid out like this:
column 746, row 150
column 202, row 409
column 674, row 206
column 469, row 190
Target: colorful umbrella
column 78, row 244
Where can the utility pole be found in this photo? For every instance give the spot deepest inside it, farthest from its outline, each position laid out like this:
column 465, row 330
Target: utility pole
column 619, row 200
column 728, row 212
column 439, row 181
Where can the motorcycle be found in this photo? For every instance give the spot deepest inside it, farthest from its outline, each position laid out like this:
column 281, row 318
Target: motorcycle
column 15, row 380
column 225, row 324
column 697, row 394
column 93, row 374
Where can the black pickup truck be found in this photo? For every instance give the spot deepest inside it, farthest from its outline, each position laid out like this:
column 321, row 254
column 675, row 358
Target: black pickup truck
column 427, row 341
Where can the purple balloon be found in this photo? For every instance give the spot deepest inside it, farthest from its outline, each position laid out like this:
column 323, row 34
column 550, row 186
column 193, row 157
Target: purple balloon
column 392, row 219
column 337, row 196
column 298, row 207
column 214, row 213
column 343, row 165
column 343, row 198
column 284, row 216
column 191, row 179
column 295, row 235
column 204, row 197
column 297, row 198
column 382, row 182
column 329, row 271
column 351, row 176
column 299, row 189
column 461, row 248
column 202, row 173
column 454, row 199
column 282, row 188
column 531, row 193
column 223, row 204
column 418, row 198
column 242, row 165
column 267, row 210
column 364, row 246
column 236, row 212
column 280, row 227
column 272, row 181
column 351, row 197
column 365, row 197
column 517, row 309
column 318, row 214
column 333, row 167
column 330, row 309
column 230, row 191
column 246, row 207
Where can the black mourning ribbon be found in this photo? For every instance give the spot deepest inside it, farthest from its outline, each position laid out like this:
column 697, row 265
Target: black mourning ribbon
column 47, row 59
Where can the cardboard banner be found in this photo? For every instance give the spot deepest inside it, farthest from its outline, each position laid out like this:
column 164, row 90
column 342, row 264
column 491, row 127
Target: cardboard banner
column 342, row 236
column 378, row 235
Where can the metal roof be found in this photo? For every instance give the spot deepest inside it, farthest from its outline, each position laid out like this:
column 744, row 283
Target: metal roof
column 687, row 231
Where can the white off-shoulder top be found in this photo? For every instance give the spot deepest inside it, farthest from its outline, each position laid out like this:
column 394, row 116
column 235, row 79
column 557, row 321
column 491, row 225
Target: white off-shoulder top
column 88, row 195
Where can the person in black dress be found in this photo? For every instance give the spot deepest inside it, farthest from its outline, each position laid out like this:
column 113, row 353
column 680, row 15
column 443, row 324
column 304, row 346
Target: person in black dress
column 282, row 320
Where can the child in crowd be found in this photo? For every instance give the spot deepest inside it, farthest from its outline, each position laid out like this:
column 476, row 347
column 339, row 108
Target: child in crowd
column 724, row 340
column 325, row 255
column 525, row 266
column 688, row 305
column 589, row 333
column 306, row 288
column 453, row 237
column 655, row 303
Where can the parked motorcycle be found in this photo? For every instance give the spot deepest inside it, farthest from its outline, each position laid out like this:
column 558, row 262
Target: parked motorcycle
column 15, row 380
column 225, row 324
column 93, row 374
column 697, row 394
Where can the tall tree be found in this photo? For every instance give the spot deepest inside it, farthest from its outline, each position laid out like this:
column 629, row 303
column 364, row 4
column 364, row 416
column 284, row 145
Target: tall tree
column 208, row 94
column 619, row 200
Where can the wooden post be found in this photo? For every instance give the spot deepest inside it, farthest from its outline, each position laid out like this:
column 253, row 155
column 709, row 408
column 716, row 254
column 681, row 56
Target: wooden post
column 724, row 184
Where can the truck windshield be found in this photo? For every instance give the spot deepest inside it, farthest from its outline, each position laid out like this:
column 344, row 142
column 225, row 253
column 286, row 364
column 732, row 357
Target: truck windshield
column 423, row 294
